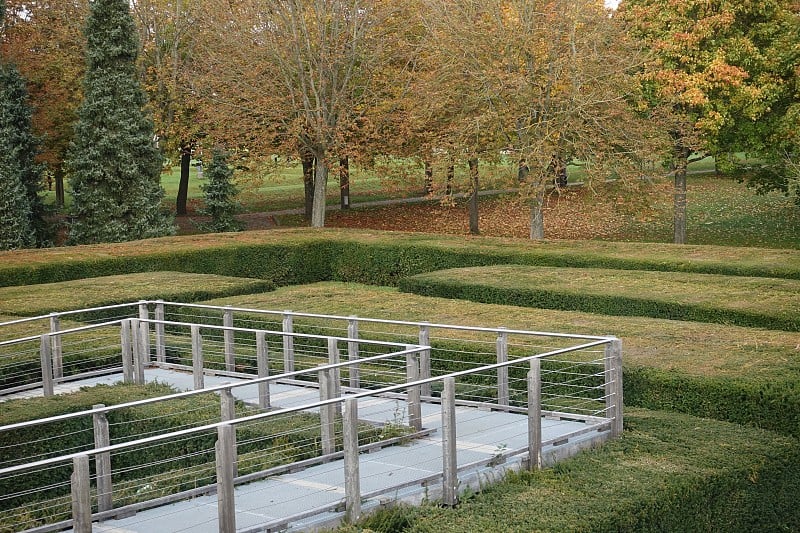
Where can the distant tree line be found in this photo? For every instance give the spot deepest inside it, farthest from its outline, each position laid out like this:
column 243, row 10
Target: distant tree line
column 445, row 82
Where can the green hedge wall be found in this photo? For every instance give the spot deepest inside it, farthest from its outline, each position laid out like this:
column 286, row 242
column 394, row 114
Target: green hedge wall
column 668, row 472
column 373, row 258
column 610, row 304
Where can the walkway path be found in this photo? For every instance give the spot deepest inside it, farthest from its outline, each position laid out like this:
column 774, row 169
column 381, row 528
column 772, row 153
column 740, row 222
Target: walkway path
column 312, row 498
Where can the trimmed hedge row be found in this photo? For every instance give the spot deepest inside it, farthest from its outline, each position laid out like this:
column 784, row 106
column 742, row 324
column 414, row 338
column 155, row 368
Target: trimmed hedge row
column 380, row 258
column 668, row 472
column 765, row 402
column 461, row 284
column 41, row 299
column 261, row 445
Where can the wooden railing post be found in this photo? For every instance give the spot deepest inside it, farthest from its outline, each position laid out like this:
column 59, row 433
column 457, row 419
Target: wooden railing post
column 425, row 357
column 227, row 335
column 138, row 351
column 55, row 346
column 327, row 413
column 613, row 388
column 502, row 372
column 449, row 453
column 414, row 401
column 535, row 415
column 225, row 460
column 352, row 480
column 81, row 497
column 288, row 342
column 47, row 365
column 102, row 461
column 144, row 332
column 262, row 361
column 334, row 359
column 127, row 351
column 197, row 358
column 227, row 405
column 352, row 352
column 161, row 348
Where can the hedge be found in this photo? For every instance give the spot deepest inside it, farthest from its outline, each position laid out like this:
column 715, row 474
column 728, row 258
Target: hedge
column 726, row 372
column 668, row 472
column 773, row 303
column 260, row 445
column 383, row 258
column 41, row 299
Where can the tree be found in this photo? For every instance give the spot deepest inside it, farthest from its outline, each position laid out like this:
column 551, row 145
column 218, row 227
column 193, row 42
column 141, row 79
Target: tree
column 164, row 28
column 219, row 194
column 703, row 75
column 767, row 129
column 47, row 46
column 16, row 213
column 18, row 150
column 290, row 72
column 114, row 165
column 549, row 82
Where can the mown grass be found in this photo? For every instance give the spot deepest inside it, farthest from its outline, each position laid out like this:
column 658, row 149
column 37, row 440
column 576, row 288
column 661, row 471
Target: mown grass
column 746, row 301
column 34, row 300
column 720, row 211
column 668, row 472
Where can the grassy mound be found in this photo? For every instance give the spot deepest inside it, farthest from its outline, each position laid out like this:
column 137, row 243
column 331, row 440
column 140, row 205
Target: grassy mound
column 744, row 301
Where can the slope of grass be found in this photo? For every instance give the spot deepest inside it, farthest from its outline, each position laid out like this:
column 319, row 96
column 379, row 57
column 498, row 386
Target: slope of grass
column 34, row 300
column 745, row 301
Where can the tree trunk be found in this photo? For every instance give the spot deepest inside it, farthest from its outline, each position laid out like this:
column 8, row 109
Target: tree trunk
column 473, row 198
column 451, row 172
column 59, row 177
column 320, row 187
column 428, row 177
column 681, row 162
column 183, row 184
column 308, row 180
column 344, row 182
column 537, row 215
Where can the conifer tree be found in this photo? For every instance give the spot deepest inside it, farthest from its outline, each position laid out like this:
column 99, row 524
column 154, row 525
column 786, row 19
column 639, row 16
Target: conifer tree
column 21, row 208
column 113, row 165
column 220, row 196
